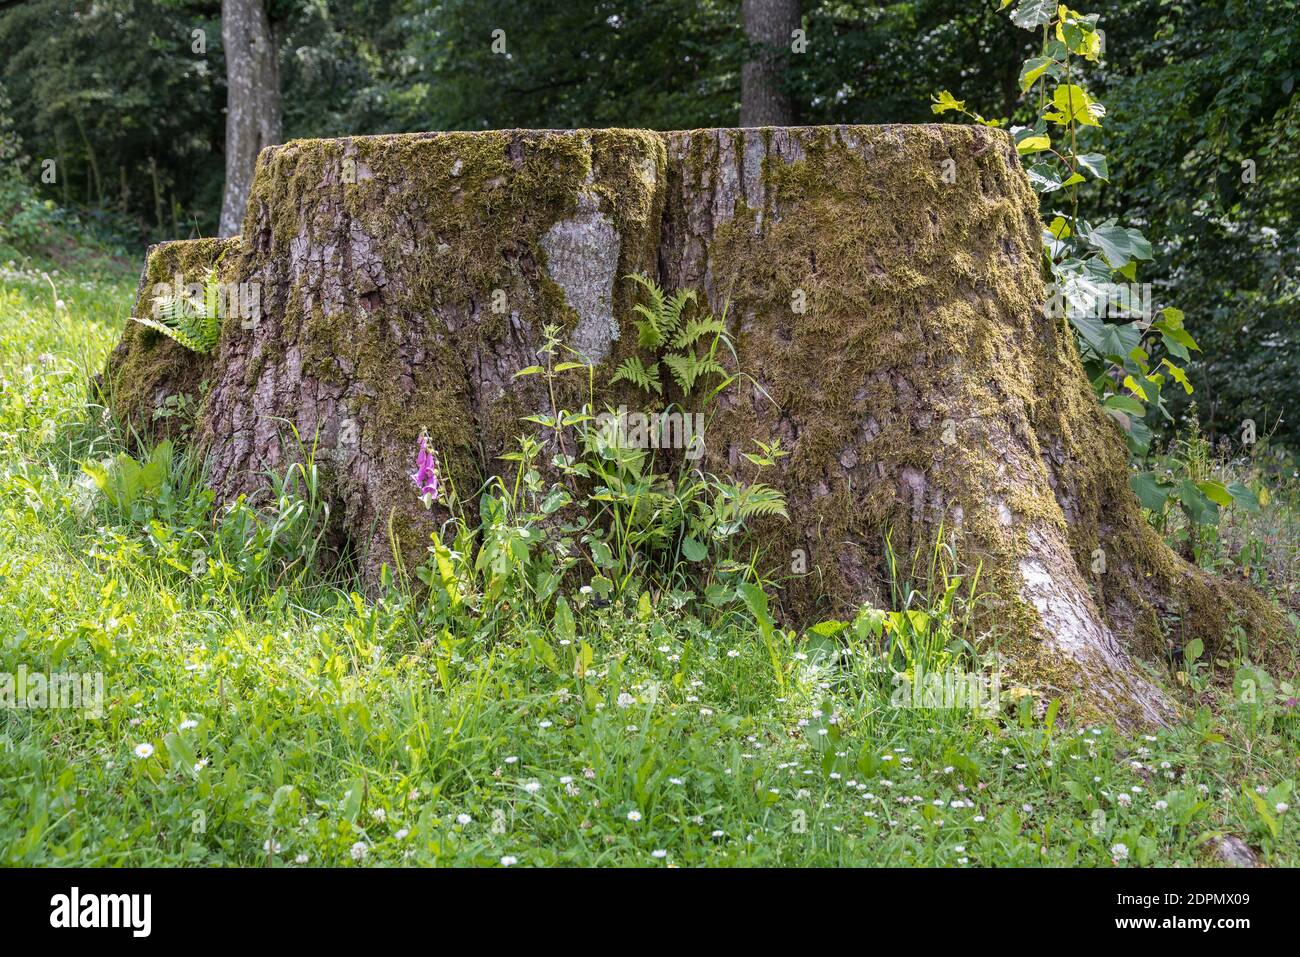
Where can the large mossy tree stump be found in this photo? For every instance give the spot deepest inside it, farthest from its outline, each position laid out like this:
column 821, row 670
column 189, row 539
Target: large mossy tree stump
column 883, row 290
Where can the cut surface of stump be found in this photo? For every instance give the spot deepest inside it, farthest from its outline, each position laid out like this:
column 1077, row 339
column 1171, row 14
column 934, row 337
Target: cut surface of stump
column 882, row 287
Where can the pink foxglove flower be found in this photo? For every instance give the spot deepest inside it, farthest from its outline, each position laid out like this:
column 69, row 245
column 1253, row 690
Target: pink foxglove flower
column 425, row 476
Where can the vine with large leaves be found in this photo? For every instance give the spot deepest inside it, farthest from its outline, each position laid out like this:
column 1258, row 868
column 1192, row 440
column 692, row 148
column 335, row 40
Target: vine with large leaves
column 1131, row 352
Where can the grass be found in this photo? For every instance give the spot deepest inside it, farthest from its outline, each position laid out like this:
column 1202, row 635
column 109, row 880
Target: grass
column 258, row 712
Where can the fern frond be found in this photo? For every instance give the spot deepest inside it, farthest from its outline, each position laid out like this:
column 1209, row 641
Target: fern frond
column 672, row 313
column 172, row 332
column 649, row 333
column 692, row 332
column 633, row 370
column 760, row 499
column 192, row 320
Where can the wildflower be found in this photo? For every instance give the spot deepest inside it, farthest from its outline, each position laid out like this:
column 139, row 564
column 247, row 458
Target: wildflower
column 634, row 816
column 189, row 724
column 1281, row 807
column 1119, row 852
column 532, row 787
column 143, row 751
column 625, row 700
column 1162, row 805
column 379, row 814
column 463, row 819
column 402, row 834
column 301, row 859
column 659, row 854
column 509, row 860
column 425, row 476
column 359, row 851
column 271, row 847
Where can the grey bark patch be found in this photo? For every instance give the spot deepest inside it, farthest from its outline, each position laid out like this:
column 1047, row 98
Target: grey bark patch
column 582, row 259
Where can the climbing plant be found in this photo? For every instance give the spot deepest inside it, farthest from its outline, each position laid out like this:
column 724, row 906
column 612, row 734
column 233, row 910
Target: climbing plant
column 1132, row 352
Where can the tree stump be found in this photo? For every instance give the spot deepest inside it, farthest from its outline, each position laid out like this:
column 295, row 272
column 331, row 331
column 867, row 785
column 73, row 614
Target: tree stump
column 882, row 285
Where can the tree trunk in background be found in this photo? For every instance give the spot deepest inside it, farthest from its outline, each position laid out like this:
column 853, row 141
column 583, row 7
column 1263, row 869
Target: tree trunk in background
column 253, row 118
column 883, row 291
column 769, row 22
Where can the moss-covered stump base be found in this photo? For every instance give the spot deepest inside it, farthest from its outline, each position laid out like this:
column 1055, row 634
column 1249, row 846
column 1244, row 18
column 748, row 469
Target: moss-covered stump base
column 883, row 293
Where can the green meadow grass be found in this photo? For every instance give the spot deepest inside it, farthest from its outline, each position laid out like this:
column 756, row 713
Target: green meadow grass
column 275, row 717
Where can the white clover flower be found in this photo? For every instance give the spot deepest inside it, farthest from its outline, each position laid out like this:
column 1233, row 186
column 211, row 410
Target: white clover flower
column 1119, row 852
column 659, row 854
column 509, row 860
column 402, row 834
column 189, row 724
column 359, row 851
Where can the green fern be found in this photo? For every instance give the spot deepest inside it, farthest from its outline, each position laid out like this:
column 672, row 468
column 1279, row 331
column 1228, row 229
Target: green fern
column 635, row 371
column 688, row 368
column 760, row 499
column 192, row 320
column 694, row 330
column 662, row 324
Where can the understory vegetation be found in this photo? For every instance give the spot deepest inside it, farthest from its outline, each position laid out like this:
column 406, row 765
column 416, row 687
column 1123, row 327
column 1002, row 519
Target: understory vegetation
column 258, row 709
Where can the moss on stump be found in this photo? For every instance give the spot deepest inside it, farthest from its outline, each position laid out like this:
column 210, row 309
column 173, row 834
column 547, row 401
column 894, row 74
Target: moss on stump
column 884, row 293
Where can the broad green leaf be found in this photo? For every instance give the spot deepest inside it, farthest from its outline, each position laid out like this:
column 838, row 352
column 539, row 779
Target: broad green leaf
column 1032, row 14
column 945, row 102
column 1094, row 164
column 1244, row 497
column 1034, row 144
column 565, row 627
column 1125, row 403
column 694, row 550
column 1149, row 491
column 1199, row 508
column 1119, row 244
column 1216, row 492
column 1032, row 70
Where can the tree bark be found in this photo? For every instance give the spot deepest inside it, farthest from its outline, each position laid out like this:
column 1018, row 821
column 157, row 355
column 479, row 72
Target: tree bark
column 253, row 113
column 883, row 290
column 769, row 23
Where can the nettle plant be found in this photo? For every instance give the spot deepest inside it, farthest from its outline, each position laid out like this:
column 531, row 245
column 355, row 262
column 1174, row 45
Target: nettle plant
column 1131, row 353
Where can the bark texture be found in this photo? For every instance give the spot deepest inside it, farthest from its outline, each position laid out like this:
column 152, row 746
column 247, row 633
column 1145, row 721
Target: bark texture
column 253, row 114
column 768, row 23
column 883, row 292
